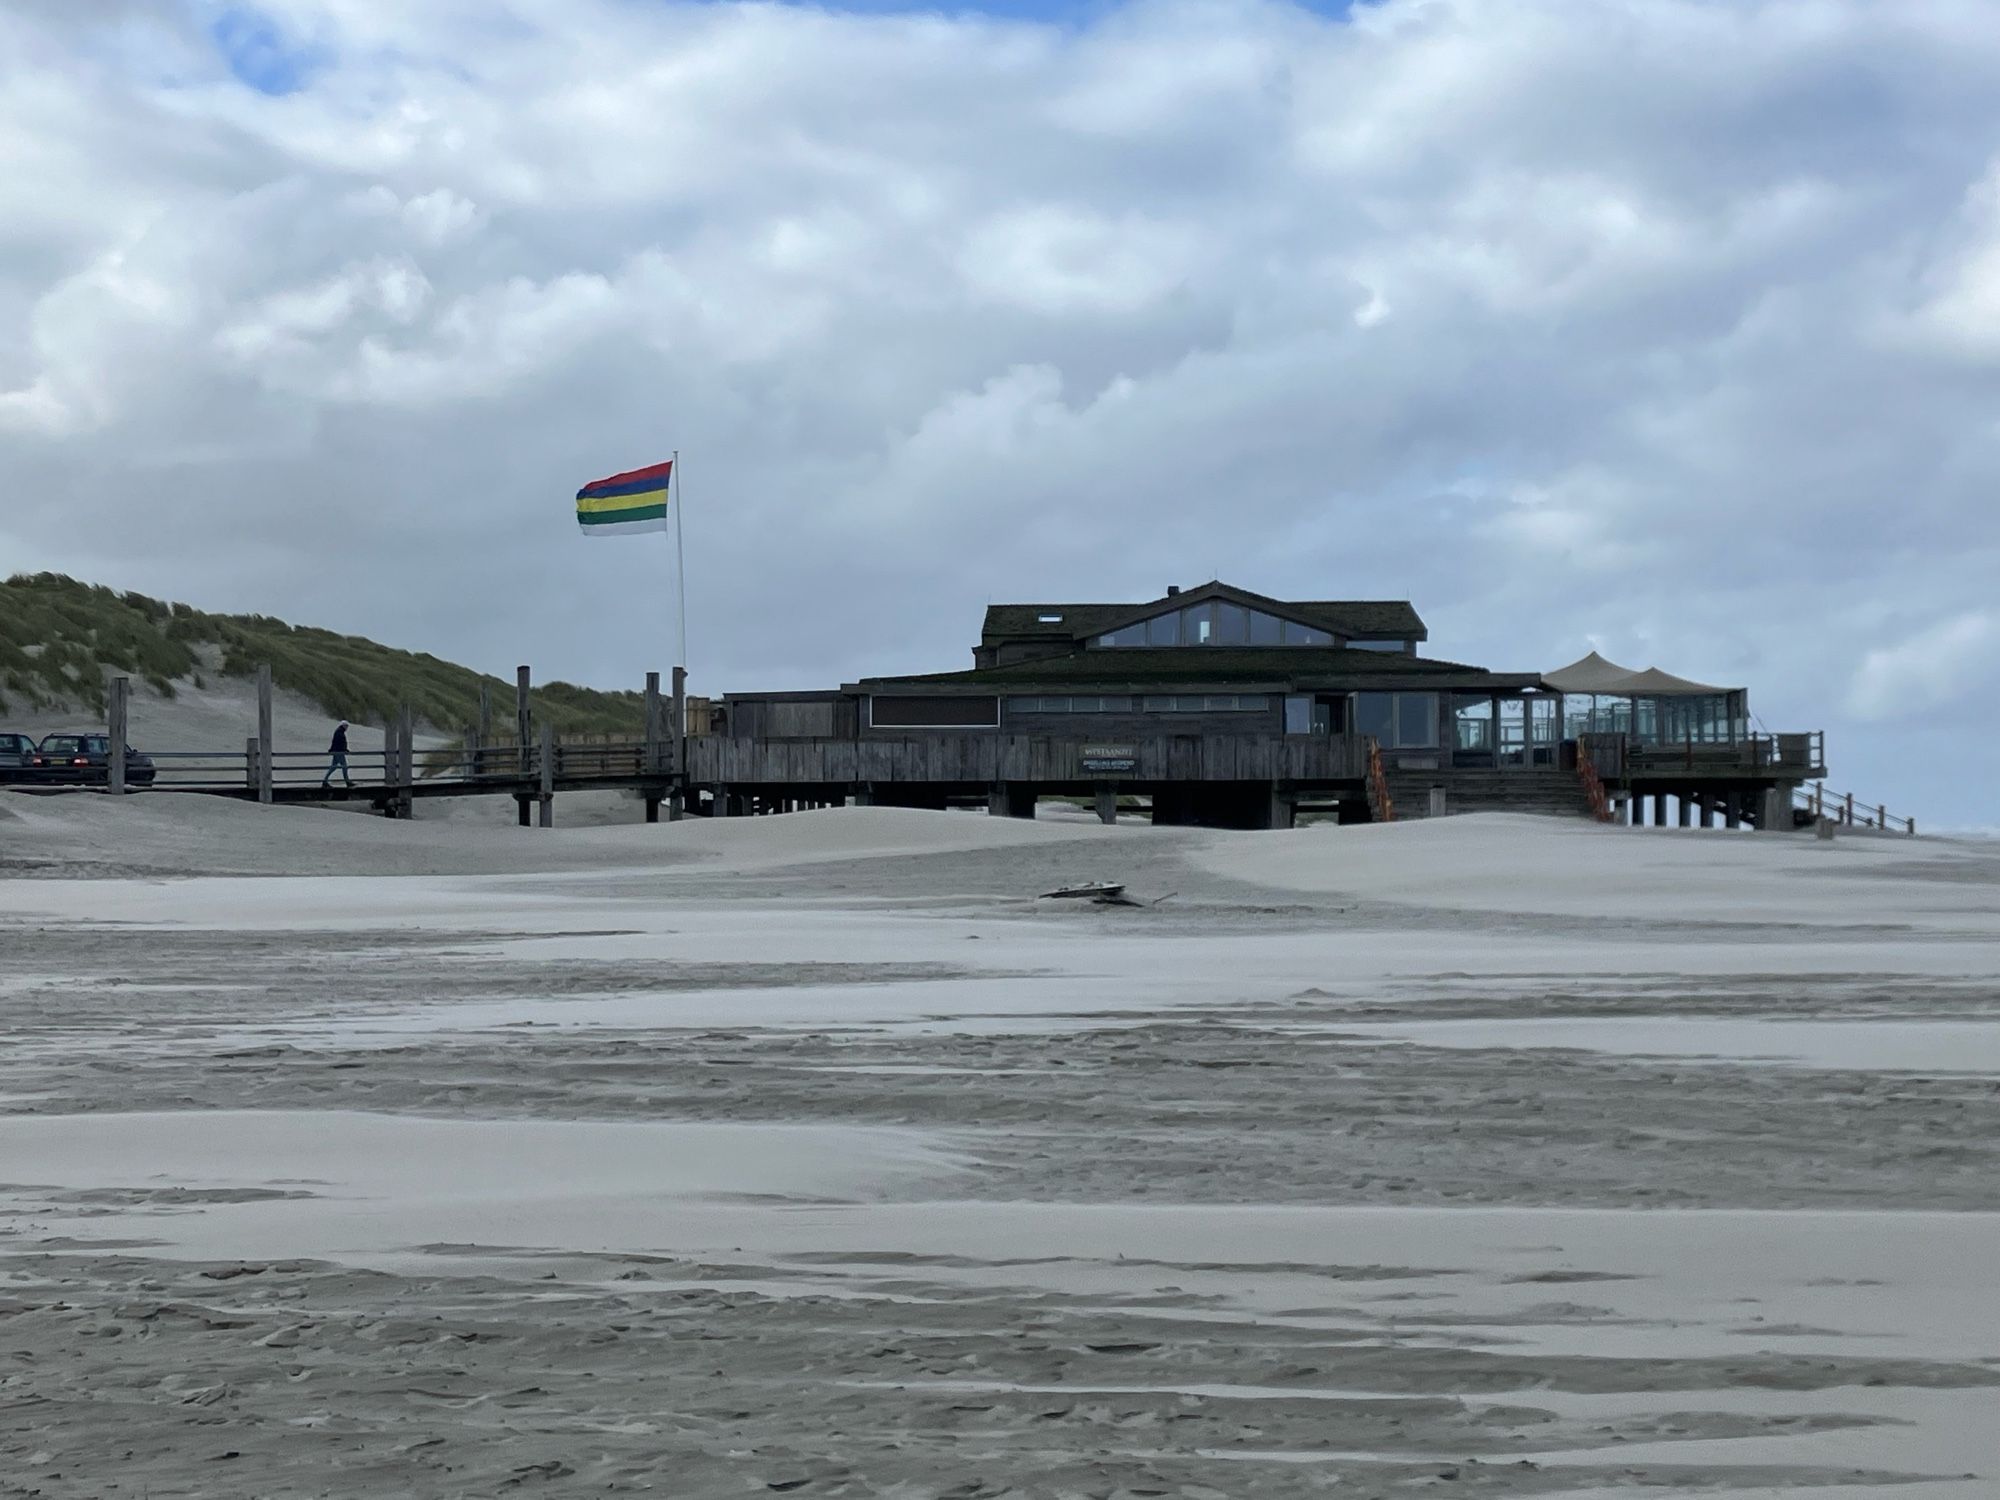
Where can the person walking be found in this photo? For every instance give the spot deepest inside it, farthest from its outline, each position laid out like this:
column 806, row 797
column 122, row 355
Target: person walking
column 338, row 751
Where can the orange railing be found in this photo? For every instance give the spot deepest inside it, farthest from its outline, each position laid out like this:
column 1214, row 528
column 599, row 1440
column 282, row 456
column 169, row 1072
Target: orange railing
column 1379, row 801
column 1593, row 784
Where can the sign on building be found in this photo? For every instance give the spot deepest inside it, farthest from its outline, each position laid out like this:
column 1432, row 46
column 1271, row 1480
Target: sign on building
column 1109, row 760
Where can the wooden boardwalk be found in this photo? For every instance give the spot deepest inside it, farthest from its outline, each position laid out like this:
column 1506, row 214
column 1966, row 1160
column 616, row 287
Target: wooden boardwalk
column 531, row 765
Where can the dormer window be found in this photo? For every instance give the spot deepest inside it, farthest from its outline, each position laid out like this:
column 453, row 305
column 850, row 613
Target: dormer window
column 1216, row 622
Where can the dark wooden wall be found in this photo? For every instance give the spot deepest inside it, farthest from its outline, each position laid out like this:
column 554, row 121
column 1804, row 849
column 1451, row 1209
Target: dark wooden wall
column 1137, row 725
column 987, row 759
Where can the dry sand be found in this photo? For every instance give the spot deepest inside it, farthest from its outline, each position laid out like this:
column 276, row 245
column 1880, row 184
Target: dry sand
column 813, row 1155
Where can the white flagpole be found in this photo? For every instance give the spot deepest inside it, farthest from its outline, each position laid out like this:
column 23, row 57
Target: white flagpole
column 680, row 560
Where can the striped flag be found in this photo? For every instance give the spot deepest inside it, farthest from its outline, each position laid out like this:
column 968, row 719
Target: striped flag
column 633, row 501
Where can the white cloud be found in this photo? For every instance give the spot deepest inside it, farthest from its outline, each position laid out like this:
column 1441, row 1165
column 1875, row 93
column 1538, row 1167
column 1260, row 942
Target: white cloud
column 1656, row 320
column 1055, row 260
column 1945, row 663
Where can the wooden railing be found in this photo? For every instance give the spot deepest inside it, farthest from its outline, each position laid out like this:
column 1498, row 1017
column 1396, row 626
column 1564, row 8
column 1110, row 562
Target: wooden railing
column 1619, row 756
column 1842, row 808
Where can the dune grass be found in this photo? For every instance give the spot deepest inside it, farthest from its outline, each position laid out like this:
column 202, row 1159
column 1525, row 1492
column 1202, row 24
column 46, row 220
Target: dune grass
column 60, row 640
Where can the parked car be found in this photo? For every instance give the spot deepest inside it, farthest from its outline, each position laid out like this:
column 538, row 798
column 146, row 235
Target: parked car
column 85, row 760
column 17, row 755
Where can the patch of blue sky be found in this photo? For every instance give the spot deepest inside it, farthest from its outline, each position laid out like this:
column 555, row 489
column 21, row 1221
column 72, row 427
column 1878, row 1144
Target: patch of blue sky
column 259, row 52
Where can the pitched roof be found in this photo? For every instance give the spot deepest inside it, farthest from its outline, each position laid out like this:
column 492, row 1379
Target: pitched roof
column 1394, row 619
column 1252, row 668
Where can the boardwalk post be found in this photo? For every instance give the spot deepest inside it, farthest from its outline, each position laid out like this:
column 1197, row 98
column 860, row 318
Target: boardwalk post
column 485, row 711
column 264, row 776
column 654, row 762
column 523, row 727
column 548, row 776
column 677, row 798
column 250, row 748
column 406, row 762
column 115, row 772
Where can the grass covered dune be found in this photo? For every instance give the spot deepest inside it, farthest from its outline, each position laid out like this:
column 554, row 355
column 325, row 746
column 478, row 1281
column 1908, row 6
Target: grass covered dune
column 59, row 638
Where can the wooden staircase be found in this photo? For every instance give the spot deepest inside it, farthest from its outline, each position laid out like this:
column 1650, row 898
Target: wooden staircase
column 1546, row 790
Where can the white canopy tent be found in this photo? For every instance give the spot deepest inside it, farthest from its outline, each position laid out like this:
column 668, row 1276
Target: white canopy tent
column 1652, row 706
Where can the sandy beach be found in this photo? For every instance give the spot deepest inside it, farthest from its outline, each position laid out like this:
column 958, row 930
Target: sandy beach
column 815, row 1155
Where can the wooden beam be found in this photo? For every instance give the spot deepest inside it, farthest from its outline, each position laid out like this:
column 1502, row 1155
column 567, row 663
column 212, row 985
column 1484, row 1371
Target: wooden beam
column 264, row 732
column 115, row 772
column 655, row 731
column 406, row 734
column 523, row 728
column 678, row 739
column 548, row 776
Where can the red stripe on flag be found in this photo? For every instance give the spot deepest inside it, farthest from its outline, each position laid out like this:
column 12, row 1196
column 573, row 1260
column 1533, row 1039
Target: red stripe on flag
column 655, row 471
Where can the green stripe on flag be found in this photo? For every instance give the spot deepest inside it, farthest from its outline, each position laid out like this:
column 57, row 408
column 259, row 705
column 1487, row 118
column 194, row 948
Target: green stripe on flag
column 611, row 517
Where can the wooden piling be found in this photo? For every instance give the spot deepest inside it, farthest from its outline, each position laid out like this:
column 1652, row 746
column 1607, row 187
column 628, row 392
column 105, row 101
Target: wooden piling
column 406, row 782
column 264, row 733
column 656, row 749
column 677, row 797
column 523, row 727
column 115, row 772
column 548, row 775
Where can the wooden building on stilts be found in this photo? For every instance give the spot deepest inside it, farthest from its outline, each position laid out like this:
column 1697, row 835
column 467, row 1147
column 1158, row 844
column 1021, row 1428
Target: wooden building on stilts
column 1222, row 707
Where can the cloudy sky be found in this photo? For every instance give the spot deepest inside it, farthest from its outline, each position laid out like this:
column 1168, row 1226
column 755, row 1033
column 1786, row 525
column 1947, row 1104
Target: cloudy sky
column 1665, row 327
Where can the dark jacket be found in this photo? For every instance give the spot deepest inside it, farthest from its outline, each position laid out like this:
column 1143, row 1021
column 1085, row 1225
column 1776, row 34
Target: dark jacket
column 339, row 745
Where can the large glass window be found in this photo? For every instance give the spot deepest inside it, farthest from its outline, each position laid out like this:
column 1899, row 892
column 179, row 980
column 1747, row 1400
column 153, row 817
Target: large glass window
column 1070, row 705
column 1417, row 720
column 1397, row 646
column 1473, row 724
column 1399, row 721
column 1375, row 716
column 1218, row 623
column 1198, row 703
column 1298, row 715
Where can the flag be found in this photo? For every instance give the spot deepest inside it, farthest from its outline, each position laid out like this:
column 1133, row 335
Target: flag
column 634, row 501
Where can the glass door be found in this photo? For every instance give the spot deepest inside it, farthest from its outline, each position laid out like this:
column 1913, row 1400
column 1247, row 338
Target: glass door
column 1544, row 731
